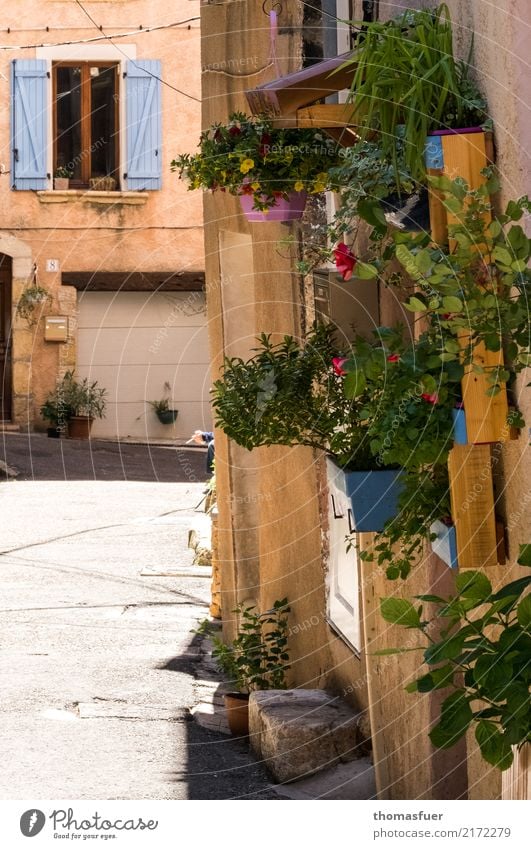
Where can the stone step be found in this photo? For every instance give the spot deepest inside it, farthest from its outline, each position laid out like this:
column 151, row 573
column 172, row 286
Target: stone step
column 8, row 427
column 354, row 780
column 300, row 732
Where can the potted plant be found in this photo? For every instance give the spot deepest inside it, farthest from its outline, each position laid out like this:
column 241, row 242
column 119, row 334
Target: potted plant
column 61, row 178
column 165, row 414
column 257, row 659
column 102, row 184
column 270, row 170
column 57, row 411
column 84, row 401
column 33, row 297
column 407, row 83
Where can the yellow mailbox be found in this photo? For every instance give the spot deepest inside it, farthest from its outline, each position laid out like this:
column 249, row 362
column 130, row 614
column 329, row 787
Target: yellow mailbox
column 56, row 328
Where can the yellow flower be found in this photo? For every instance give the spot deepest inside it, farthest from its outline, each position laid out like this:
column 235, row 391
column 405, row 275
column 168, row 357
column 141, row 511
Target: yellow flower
column 246, row 165
column 299, row 186
column 255, row 186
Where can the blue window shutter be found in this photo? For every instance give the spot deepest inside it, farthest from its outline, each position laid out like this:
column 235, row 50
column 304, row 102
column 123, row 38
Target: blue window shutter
column 144, row 131
column 29, row 124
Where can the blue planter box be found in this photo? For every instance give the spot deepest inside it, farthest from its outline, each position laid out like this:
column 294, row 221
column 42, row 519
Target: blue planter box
column 445, row 546
column 374, row 498
column 460, row 435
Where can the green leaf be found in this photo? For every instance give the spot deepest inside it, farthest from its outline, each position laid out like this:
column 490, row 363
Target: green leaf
column 453, row 205
column 447, row 649
column 523, row 612
column 399, row 611
column 524, row 558
column 452, row 304
column 416, row 305
column 365, row 271
column 473, row 584
column 354, row 384
column 502, row 255
column 494, row 748
column 452, row 345
column 514, row 210
column 456, row 716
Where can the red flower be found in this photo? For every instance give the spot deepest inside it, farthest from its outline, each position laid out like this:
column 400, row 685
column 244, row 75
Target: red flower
column 277, row 194
column 218, row 135
column 235, row 131
column 265, row 142
column 247, row 189
column 393, row 358
column 338, row 363
column 345, row 260
column 430, row 399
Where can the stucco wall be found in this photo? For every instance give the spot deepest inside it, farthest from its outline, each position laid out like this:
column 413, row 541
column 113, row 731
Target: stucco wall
column 270, row 523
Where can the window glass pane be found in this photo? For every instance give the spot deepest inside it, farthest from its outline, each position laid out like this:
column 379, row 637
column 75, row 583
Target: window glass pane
column 69, row 153
column 103, row 123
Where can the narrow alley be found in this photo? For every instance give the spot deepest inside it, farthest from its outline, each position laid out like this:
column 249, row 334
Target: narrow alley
column 98, row 660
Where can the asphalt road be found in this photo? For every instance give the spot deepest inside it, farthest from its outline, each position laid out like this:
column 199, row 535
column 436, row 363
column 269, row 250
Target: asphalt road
column 98, row 662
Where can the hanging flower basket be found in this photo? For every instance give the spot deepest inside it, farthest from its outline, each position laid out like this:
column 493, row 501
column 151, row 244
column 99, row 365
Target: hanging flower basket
column 284, row 209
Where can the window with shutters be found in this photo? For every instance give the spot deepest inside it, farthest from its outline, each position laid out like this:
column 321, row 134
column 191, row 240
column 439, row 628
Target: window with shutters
column 88, row 119
column 85, row 121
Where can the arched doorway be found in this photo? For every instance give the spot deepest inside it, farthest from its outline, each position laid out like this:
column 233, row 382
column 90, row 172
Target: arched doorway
column 6, row 399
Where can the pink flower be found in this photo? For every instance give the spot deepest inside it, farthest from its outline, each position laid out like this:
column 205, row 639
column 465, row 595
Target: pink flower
column 430, row 399
column 393, row 358
column 338, row 363
column 345, row 260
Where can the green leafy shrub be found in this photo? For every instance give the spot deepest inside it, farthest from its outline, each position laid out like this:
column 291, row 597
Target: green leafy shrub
column 482, row 655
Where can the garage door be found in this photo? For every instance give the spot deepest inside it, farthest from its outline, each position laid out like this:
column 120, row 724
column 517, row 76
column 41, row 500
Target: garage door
column 132, row 343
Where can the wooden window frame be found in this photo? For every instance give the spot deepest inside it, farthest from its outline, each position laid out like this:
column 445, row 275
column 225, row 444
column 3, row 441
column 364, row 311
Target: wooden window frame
column 86, row 141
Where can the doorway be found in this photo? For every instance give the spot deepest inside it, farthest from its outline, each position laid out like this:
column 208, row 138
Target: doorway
column 5, row 338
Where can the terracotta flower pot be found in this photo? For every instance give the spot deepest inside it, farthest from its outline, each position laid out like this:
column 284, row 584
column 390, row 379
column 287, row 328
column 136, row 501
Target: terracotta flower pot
column 79, row 427
column 290, row 209
column 237, row 708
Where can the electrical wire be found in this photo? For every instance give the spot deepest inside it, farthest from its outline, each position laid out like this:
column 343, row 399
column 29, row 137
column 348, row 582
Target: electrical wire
column 100, row 37
column 109, row 38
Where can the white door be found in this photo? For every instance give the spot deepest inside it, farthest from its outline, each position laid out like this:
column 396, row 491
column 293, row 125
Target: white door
column 132, row 343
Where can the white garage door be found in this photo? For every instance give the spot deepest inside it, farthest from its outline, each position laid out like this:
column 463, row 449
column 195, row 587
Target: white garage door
column 132, row 343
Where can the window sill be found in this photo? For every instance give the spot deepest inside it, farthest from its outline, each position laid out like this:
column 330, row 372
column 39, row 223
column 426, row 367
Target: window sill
column 87, row 196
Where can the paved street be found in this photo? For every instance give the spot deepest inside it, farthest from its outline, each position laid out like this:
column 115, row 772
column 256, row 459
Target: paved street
column 97, row 662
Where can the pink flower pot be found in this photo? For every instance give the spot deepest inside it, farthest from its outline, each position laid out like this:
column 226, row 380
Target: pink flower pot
column 283, row 210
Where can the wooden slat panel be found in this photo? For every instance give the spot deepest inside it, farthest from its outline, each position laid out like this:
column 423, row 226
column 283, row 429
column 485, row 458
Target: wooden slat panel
column 438, row 219
column 516, row 781
column 486, row 416
column 472, row 499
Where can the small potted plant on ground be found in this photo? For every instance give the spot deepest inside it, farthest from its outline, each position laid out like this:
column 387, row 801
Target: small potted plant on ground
column 56, row 411
column 165, row 414
column 61, row 178
column 270, row 170
column 257, row 659
column 85, row 402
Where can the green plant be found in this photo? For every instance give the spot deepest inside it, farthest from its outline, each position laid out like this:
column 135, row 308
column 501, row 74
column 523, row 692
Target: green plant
column 480, row 285
column 64, row 171
column 249, row 156
column 33, row 297
column 482, row 654
column 292, row 394
column 56, row 409
column 80, row 398
column 163, row 404
column 257, row 659
column 406, row 75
